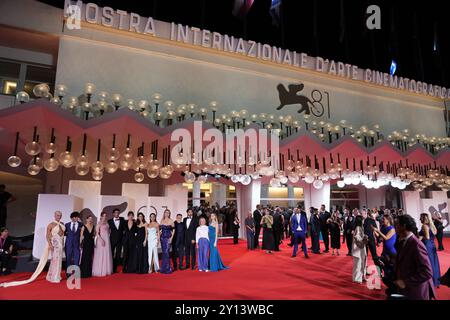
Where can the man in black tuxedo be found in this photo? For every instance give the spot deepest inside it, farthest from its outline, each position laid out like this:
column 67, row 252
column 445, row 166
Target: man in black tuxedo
column 178, row 242
column 324, row 227
column 368, row 225
column 349, row 226
column 117, row 229
column 190, row 225
column 277, row 227
column 314, row 222
column 257, row 216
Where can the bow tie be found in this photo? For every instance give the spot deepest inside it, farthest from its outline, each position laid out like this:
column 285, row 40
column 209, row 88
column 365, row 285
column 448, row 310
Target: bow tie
column 116, row 219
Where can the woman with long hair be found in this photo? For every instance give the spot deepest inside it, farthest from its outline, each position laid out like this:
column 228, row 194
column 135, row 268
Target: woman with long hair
column 387, row 233
column 427, row 235
column 141, row 244
column 87, row 237
column 335, row 232
column 103, row 263
column 359, row 252
column 268, row 237
column 215, row 261
column 129, row 245
column 166, row 227
column 152, row 244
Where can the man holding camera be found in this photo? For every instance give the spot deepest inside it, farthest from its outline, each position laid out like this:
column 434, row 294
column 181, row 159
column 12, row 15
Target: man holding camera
column 6, row 248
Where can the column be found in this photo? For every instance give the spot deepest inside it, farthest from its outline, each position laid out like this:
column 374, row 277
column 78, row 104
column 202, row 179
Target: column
column 264, row 193
column 248, row 197
column 219, row 194
column 291, row 203
column 196, row 194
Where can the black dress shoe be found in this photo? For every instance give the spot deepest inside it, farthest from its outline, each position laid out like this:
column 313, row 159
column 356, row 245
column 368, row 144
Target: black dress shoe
column 326, row 251
column 193, row 268
column 316, row 252
column 306, row 257
column 293, row 256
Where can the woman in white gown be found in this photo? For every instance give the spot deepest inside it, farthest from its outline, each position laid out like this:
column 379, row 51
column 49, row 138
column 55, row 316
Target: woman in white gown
column 153, row 240
column 55, row 247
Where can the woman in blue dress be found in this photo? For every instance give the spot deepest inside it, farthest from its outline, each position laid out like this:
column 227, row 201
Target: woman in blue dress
column 166, row 226
column 427, row 234
column 215, row 261
column 387, row 233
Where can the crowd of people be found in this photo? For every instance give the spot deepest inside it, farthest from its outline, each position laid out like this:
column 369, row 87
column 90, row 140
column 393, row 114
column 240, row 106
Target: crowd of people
column 98, row 250
column 408, row 263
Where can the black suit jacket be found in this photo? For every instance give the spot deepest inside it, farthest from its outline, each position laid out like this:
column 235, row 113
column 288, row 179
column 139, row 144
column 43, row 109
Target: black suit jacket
column 179, row 236
column 116, row 234
column 349, row 226
column 368, row 223
column 323, row 217
column 190, row 232
column 257, row 216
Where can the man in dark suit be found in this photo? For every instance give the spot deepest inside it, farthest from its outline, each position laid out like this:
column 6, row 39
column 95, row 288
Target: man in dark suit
column 257, row 216
column 414, row 275
column 299, row 225
column 368, row 225
column 73, row 230
column 324, row 227
column 117, row 229
column 277, row 227
column 349, row 226
column 6, row 251
column 178, row 243
column 315, row 230
column 190, row 225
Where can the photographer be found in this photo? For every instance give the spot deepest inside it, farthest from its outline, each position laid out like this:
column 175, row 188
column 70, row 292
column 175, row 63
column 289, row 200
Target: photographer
column 6, row 248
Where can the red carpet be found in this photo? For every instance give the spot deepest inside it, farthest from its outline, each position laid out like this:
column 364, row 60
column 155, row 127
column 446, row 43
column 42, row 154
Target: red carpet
column 253, row 275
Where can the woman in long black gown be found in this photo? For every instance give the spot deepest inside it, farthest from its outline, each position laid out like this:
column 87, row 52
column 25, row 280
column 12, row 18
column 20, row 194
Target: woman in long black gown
column 129, row 245
column 335, row 231
column 141, row 245
column 87, row 236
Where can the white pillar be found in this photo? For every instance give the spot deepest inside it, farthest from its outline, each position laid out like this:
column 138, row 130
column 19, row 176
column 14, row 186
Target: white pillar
column 219, row 194
column 291, row 203
column 248, row 197
column 316, row 197
column 196, row 194
column 264, row 192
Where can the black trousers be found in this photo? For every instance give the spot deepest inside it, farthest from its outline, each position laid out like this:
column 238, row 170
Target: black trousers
column 277, row 237
column 116, row 249
column 315, row 241
column 190, row 255
column 372, row 247
column 177, row 255
column 326, row 237
column 257, row 232
column 349, row 241
column 439, row 236
column 3, row 216
column 235, row 234
column 4, row 261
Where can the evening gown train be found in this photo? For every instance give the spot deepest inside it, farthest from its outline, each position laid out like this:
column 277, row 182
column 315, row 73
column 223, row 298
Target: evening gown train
column 166, row 233
column 433, row 256
column 141, row 251
column 215, row 261
column 87, row 254
column 129, row 249
column 103, row 263
column 54, row 271
column 152, row 244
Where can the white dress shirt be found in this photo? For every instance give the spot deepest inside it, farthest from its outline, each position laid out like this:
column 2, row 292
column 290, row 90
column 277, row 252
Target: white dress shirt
column 202, row 232
column 188, row 222
column 297, row 215
column 117, row 222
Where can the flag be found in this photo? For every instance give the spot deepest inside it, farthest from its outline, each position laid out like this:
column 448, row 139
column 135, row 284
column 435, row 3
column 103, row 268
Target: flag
column 393, row 67
column 242, row 7
column 275, row 12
